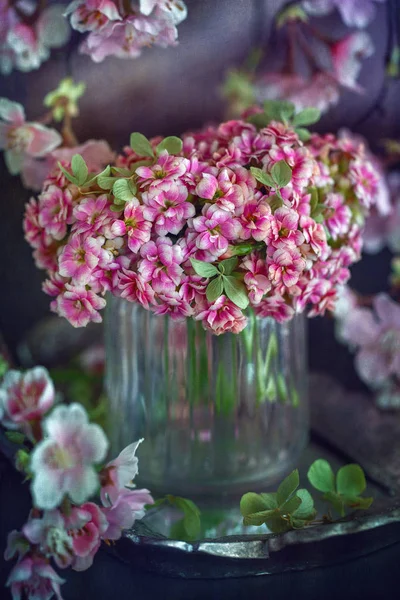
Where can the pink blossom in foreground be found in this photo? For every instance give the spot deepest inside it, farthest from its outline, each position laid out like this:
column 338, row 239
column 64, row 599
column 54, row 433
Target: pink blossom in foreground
column 347, row 55
column 34, row 578
column 355, row 13
column 256, row 278
column 50, row 535
column 339, row 215
column 26, row 397
column 17, row 544
column 216, row 228
column 86, row 524
column 55, row 211
column 222, row 316
column 135, row 289
column 80, row 257
column 286, row 266
column 63, row 463
column 167, row 168
column 119, row 473
column 127, row 508
column 256, row 221
column 167, row 208
column 376, row 336
column 80, row 306
column 20, row 139
column 160, row 264
column 92, row 15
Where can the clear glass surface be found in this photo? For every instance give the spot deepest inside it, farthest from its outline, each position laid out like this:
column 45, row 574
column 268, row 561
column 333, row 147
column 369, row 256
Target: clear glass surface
column 220, row 414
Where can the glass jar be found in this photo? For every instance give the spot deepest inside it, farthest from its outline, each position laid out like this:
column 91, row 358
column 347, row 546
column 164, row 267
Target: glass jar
column 220, row 414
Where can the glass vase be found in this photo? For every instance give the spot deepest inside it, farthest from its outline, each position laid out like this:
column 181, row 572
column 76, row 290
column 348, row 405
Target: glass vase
column 220, row 414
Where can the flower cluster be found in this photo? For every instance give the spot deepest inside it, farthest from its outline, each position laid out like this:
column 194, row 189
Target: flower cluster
column 65, row 468
column 355, row 13
column 124, row 29
column 231, row 216
column 27, row 34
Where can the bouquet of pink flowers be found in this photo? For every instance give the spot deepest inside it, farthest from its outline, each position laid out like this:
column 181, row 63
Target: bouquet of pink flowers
column 243, row 214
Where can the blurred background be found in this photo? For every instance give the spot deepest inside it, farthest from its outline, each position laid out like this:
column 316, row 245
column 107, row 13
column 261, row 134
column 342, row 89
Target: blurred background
column 169, row 91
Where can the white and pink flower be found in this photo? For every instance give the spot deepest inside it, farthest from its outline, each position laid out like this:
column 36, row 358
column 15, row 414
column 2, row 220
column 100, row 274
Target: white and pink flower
column 63, row 463
column 33, row 577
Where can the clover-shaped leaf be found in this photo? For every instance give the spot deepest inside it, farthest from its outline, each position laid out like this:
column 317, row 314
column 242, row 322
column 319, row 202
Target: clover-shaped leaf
column 281, row 173
column 214, row 289
column 321, row 476
column 79, row 168
column 236, row 291
column 204, row 269
column 308, row 116
column 288, row 486
column 141, row 145
column 191, row 518
column 172, row 144
column 124, row 190
column 262, row 176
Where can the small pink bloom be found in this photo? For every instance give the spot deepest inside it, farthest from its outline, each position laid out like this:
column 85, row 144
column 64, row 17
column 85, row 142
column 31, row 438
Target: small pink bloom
column 285, row 266
column 127, row 508
column 50, row 535
column 216, row 228
column 26, row 397
column 93, row 215
column 256, row 221
column 275, row 306
column 134, row 288
column 79, row 306
column 17, row 544
column 223, row 190
column 338, row 216
column 314, row 235
column 160, row 264
column 222, row 316
column 92, row 15
column 32, row 229
column 135, row 225
column 86, row 524
column 256, row 278
column 365, row 180
column 63, row 463
column 166, row 206
column 55, row 208
column 118, row 474
column 34, row 578
column 20, row 139
column 167, row 168
column 79, row 257
column 174, row 304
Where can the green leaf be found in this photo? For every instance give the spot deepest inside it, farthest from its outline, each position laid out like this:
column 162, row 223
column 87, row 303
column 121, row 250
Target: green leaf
column 122, row 190
column 303, row 134
column 281, row 173
column 282, row 388
column 229, row 265
column 22, row 461
column 321, row 476
column 204, row 269
column 336, row 501
column 273, row 108
column 357, row 503
column 16, row 437
column 308, row 116
column 275, row 202
column 3, row 366
column 252, row 503
column 278, row 525
column 288, row 487
column 191, row 519
column 141, row 145
column 172, row 144
column 79, row 168
column 121, row 171
column 306, row 509
column 258, row 518
column 262, row 176
column 236, row 291
column 105, row 183
column 272, row 351
column 291, row 505
column 214, row 289
column 116, row 208
column 259, row 120
column 350, row 480
column 67, row 174
column 287, row 110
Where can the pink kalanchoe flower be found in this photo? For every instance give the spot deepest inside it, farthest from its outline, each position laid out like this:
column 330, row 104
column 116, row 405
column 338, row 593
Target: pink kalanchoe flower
column 32, row 229
column 92, row 15
column 216, row 228
column 79, row 257
column 167, row 168
column 256, row 278
column 174, row 304
column 222, row 316
column 86, row 524
column 275, row 306
column 55, row 209
column 222, row 190
column 26, row 397
column 127, row 508
column 79, row 305
column 256, row 221
column 160, row 264
column 63, row 462
column 135, row 225
column 134, row 288
column 284, row 226
column 167, row 208
column 286, row 266
column 376, row 335
column 50, row 534
column 175, row 9
column 34, row 578
column 118, row 474
column 364, row 178
column 314, row 235
column 17, row 544
column 20, row 139
column 93, row 215
column 339, row 215
column 347, row 55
